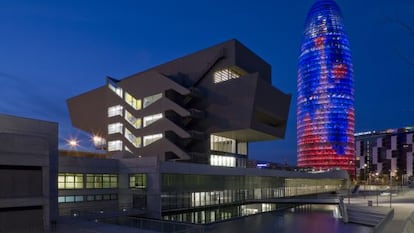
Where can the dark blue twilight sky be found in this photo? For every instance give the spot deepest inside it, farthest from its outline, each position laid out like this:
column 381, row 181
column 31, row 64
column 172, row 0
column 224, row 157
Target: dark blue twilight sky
column 53, row 50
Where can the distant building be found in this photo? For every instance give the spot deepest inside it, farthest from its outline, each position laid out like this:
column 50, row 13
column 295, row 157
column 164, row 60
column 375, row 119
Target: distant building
column 205, row 107
column 384, row 154
column 325, row 101
column 28, row 171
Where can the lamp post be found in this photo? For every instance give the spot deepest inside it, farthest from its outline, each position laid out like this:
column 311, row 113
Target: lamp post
column 365, row 177
column 376, row 177
column 390, row 188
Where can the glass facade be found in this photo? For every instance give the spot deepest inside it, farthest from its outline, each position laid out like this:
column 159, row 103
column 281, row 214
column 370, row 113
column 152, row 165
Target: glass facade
column 212, row 190
column 220, row 214
column 325, row 101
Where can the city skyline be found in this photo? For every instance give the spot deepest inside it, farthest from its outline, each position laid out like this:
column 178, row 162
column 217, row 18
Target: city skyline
column 52, row 51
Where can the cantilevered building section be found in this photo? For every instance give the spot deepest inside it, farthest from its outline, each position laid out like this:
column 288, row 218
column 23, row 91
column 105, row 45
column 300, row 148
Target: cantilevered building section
column 204, row 108
column 325, row 102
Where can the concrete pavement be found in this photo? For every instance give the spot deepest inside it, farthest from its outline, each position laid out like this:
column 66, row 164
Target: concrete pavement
column 403, row 204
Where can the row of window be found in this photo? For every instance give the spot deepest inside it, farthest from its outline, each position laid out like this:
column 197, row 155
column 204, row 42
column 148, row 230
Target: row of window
column 82, row 198
column 179, row 200
column 93, row 181
column 224, row 75
column 98, row 181
column 135, row 122
column 116, row 145
column 131, row 100
column 224, row 161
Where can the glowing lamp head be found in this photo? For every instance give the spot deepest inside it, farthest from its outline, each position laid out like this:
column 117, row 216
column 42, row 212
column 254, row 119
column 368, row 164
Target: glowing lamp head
column 73, row 143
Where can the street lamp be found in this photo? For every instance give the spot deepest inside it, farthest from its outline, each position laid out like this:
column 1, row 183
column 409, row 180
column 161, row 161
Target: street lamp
column 365, row 176
column 73, row 143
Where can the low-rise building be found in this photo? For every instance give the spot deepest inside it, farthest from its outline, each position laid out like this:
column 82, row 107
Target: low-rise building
column 28, row 170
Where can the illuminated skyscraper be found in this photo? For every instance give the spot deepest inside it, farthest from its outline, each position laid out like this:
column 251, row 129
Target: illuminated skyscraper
column 325, row 102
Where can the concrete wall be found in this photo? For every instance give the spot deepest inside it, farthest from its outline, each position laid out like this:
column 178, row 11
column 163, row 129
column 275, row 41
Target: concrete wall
column 28, row 170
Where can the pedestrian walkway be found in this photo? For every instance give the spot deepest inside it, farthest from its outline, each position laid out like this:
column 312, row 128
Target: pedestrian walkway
column 403, row 205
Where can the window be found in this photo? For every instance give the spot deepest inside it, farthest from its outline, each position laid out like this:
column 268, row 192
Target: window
column 151, row 138
column 135, row 103
column 98, row 181
column 70, row 181
column 115, row 145
column 151, row 119
column 115, row 111
column 136, row 141
column 136, row 122
column 151, row 99
column 218, row 143
column 61, row 199
column 117, row 90
column 224, row 161
column 138, row 181
column 81, row 198
column 69, row 198
column 225, row 74
column 115, row 128
column 242, row 148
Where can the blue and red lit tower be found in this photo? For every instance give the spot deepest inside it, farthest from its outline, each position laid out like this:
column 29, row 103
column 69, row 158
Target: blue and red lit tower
column 325, row 102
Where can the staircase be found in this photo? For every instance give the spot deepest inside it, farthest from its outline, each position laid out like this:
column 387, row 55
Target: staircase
column 376, row 217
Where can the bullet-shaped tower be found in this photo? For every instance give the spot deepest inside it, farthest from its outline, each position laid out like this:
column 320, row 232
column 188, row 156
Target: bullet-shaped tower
column 325, row 98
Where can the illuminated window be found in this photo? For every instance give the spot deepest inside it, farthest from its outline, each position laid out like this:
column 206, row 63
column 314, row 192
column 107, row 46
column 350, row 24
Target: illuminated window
column 223, row 144
column 115, row 128
column 151, row 99
column 136, row 122
column 117, row 90
column 225, row 74
column 151, row 138
column 242, row 148
column 224, row 161
column 151, row 119
column 115, row 111
column 70, row 181
column 98, row 142
column 98, row 181
column 135, row 103
column 115, row 145
column 138, row 181
column 136, row 141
